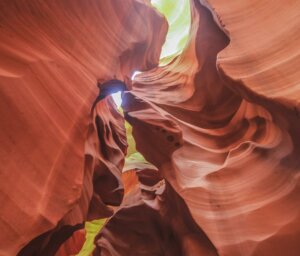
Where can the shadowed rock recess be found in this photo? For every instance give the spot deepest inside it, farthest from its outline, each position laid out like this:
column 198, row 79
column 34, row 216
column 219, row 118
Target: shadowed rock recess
column 204, row 156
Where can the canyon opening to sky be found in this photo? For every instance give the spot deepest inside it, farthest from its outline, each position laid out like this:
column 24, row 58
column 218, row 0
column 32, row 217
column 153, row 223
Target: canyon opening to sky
column 144, row 128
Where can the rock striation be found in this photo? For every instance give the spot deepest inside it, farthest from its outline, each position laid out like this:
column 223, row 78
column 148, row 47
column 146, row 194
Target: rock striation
column 219, row 124
column 52, row 54
column 223, row 127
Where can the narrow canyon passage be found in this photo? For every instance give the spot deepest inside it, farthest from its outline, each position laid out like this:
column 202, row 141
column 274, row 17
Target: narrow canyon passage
column 142, row 127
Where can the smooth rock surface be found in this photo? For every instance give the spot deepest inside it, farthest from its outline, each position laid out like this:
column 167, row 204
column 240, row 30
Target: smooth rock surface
column 220, row 123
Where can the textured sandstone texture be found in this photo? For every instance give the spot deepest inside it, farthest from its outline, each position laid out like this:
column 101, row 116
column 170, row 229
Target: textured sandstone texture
column 220, row 123
column 51, row 55
column 220, row 134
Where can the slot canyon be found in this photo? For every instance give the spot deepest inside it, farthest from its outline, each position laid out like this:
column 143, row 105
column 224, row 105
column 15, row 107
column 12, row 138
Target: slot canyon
column 150, row 128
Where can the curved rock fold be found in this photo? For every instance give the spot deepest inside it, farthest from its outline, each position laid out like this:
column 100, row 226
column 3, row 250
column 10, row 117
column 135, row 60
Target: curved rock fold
column 218, row 127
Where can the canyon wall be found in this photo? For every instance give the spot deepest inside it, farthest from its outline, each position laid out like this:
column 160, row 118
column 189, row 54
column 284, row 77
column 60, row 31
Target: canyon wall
column 220, row 125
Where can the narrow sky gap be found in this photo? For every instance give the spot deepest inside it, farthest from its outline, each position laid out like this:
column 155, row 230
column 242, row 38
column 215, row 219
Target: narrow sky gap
column 178, row 15
column 117, row 97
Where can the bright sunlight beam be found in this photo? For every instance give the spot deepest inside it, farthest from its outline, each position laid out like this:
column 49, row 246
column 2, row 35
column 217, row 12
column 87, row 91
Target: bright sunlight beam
column 134, row 74
column 117, row 98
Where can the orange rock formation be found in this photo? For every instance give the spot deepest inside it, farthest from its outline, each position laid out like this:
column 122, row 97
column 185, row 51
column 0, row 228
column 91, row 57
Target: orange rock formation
column 221, row 123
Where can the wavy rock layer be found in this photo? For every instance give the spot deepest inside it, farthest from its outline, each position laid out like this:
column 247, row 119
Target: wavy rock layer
column 220, row 122
column 264, row 51
column 51, row 54
column 228, row 146
column 152, row 220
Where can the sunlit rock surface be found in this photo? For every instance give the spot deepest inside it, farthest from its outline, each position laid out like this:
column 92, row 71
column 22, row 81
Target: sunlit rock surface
column 219, row 125
column 229, row 149
column 51, row 55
